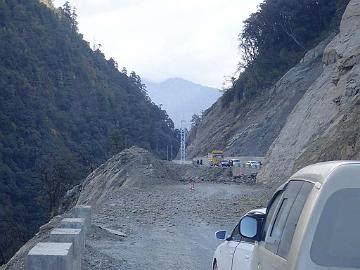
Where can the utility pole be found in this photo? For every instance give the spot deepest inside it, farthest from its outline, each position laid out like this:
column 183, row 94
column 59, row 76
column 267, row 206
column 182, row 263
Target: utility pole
column 182, row 142
column 167, row 152
column 171, row 153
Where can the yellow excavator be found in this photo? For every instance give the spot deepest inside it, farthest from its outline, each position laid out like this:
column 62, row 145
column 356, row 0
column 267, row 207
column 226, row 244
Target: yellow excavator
column 215, row 157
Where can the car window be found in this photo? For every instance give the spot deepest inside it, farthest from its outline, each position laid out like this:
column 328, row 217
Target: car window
column 270, row 213
column 282, row 224
column 292, row 219
column 336, row 242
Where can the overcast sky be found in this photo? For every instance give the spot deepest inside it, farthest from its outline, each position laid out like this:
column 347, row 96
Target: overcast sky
column 192, row 39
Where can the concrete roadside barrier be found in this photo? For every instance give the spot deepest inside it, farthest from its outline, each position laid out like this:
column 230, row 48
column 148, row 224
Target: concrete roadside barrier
column 74, row 223
column 66, row 244
column 54, row 256
column 74, row 236
column 83, row 211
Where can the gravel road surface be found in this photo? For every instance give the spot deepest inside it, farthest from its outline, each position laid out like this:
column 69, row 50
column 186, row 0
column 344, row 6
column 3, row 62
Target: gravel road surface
column 165, row 226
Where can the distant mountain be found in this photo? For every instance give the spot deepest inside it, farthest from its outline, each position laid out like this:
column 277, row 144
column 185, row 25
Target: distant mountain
column 182, row 98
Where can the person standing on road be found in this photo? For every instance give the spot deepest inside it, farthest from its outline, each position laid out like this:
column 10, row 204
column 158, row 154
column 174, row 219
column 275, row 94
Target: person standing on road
column 192, row 185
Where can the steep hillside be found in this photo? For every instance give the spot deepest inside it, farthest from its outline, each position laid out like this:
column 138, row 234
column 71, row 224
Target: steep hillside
column 341, row 142
column 324, row 125
column 63, row 110
column 251, row 127
column 182, row 99
column 280, row 35
column 310, row 115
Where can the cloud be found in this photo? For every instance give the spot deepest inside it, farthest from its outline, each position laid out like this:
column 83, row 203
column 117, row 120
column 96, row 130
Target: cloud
column 193, row 39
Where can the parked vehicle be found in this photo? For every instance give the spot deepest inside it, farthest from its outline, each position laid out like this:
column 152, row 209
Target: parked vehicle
column 311, row 223
column 215, row 157
column 236, row 162
column 235, row 248
column 253, row 164
column 225, row 163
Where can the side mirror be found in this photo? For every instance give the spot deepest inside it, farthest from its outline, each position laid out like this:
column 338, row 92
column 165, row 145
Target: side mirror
column 221, row 235
column 249, row 227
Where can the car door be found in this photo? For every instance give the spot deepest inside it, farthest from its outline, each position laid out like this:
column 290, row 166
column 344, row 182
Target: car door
column 227, row 250
column 280, row 225
column 243, row 256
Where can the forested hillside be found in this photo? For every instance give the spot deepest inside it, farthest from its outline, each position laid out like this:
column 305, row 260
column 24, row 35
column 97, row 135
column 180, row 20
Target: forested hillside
column 276, row 37
column 64, row 109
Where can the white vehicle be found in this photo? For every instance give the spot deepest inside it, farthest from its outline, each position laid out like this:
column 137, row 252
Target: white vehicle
column 311, row 223
column 253, row 163
column 236, row 248
column 236, row 162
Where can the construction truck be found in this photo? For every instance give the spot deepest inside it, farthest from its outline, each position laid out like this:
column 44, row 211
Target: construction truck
column 215, row 157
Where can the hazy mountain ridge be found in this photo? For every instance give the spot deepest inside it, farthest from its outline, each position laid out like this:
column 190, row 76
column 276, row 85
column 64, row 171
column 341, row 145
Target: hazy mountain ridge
column 181, row 98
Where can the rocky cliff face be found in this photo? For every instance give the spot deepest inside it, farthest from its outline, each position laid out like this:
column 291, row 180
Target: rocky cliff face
column 324, row 125
column 310, row 115
column 251, row 129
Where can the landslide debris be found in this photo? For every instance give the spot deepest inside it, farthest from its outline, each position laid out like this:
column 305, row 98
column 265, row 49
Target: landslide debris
column 151, row 214
column 167, row 213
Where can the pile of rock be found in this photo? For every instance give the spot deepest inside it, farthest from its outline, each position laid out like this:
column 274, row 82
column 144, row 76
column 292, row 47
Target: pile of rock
column 65, row 245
